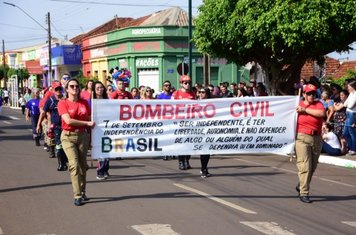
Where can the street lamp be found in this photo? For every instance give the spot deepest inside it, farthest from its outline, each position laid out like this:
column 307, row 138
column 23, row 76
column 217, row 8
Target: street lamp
column 49, row 39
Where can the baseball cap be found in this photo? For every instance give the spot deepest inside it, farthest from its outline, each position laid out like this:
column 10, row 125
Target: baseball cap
column 56, row 84
column 309, row 88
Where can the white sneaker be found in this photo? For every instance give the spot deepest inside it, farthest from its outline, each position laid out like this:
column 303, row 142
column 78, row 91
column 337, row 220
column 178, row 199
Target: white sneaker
column 100, row 177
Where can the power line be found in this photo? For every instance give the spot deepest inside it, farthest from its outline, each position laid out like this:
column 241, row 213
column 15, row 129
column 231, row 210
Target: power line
column 57, row 30
column 118, row 4
column 27, row 40
column 18, row 26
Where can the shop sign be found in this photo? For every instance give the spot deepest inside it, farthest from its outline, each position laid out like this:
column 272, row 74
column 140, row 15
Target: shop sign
column 144, row 31
column 147, row 63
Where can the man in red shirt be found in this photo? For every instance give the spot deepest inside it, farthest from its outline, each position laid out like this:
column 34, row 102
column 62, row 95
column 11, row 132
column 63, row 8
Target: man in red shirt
column 121, row 92
column 184, row 93
column 308, row 143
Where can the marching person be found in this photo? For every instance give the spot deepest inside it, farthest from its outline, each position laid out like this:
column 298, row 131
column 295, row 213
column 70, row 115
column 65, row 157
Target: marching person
column 33, row 113
column 103, row 163
column 308, row 142
column 166, row 94
column 184, row 93
column 121, row 92
column 22, row 102
column 75, row 113
column 204, row 93
column 55, row 125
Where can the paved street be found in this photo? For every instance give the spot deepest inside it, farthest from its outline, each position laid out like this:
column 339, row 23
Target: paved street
column 249, row 194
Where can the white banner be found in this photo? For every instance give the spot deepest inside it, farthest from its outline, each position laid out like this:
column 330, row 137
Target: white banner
column 142, row 128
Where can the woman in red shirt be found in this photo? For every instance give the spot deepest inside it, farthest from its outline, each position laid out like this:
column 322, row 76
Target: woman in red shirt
column 75, row 113
column 308, row 143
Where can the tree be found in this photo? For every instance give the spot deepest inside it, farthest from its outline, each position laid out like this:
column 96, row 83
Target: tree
column 281, row 35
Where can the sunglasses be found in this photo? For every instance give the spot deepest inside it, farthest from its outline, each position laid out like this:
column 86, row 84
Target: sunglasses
column 148, row 91
column 186, row 83
column 167, row 85
column 311, row 93
column 203, row 92
column 74, row 86
column 58, row 89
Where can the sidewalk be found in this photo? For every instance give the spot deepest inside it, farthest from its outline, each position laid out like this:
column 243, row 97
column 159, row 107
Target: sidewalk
column 344, row 161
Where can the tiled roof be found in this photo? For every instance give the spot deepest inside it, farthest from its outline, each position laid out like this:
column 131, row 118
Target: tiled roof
column 113, row 24
column 333, row 68
column 172, row 16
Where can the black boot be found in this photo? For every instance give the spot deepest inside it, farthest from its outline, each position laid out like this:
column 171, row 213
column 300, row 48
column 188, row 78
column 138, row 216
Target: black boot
column 60, row 165
column 186, row 161
column 51, row 151
column 37, row 141
column 181, row 163
column 64, row 161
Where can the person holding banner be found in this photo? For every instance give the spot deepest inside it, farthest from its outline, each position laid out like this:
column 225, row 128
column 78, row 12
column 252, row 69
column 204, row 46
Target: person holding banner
column 308, row 142
column 166, row 94
column 103, row 163
column 204, row 93
column 75, row 113
column 184, row 93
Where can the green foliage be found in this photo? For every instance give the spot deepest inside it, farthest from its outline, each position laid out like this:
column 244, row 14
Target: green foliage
column 2, row 70
column 349, row 74
column 245, row 30
column 21, row 73
column 275, row 33
column 83, row 80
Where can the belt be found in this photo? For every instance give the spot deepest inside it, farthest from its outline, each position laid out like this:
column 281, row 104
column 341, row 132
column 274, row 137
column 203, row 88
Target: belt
column 72, row 132
column 309, row 132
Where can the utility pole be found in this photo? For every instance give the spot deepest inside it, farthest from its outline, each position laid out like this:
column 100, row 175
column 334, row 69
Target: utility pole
column 190, row 38
column 4, row 62
column 49, row 50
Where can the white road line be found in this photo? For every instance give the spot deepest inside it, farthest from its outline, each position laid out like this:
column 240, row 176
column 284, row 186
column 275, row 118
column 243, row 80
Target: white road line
column 154, row 229
column 14, row 118
column 1, row 232
column 221, row 201
column 351, row 223
column 7, row 122
column 270, row 228
column 295, row 172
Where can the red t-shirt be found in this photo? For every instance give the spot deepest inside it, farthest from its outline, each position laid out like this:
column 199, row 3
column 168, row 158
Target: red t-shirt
column 79, row 110
column 307, row 123
column 121, row 95
column 45, row 98
column 181, row 95
column 86, row 95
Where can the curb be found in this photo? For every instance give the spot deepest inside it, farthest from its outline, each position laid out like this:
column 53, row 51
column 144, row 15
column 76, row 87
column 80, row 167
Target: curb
column 337, row 161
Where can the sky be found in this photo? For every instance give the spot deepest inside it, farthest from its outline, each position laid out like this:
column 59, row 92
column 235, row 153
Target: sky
column 70, row 18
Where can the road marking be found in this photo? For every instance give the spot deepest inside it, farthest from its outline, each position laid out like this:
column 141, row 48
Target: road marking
column 1, row 232
column 295, row 172
column 270, row 228
column 351, row 223
column 14, row 118
column 7, row 122
column 221, row 201
column 155, row 229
